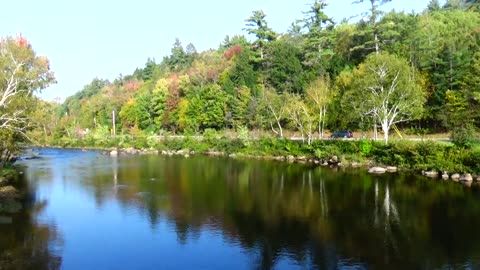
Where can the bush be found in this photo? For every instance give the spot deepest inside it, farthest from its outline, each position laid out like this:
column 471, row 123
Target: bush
column 365, row 146
column 210, row 135
column 327, row 151
column 463, row 136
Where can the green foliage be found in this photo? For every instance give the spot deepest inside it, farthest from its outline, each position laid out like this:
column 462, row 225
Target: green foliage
column 284, row 70
column 366, row 147
column 207, row 108
column 431, row 56
column 327, row 151
column 463, row 136
column 244, row 136
column 22, row 75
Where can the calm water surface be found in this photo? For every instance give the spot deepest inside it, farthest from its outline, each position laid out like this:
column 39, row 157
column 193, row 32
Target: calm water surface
column 91, row 211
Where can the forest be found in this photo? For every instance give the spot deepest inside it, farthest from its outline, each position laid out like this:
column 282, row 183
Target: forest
column 416, row 71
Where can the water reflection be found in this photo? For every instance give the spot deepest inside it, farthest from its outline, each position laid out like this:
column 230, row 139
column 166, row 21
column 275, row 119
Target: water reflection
column 26, row 242
column 261, row 215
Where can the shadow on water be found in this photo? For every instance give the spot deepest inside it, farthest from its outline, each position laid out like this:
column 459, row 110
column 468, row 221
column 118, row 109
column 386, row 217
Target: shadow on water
column 279, row 215
column 25, row 242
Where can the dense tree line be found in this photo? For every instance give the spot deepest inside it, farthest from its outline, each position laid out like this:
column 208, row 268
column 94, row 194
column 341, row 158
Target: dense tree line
column 417, row 70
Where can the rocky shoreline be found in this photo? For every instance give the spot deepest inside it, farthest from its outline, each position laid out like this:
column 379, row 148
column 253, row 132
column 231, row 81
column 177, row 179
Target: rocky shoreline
column 466, row 178
column 9, row 195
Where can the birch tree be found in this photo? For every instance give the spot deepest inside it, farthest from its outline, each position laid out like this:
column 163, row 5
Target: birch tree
column 301, row 115
column 22, row 73
column 274, row 107
column 384, row 89
column 319, row 94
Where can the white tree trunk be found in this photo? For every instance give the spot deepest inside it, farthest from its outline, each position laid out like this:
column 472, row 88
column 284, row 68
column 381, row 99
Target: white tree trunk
column 323, row 120
column 385, row 129
column 280, row 128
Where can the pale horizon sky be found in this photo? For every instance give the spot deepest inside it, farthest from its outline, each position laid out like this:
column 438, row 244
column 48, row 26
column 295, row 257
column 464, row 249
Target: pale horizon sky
column 103, row 38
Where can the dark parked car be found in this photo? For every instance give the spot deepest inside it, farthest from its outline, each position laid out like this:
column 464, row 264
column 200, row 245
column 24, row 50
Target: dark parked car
column 342, row 134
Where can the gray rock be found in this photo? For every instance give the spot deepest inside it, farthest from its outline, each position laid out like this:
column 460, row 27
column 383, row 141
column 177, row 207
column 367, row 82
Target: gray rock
column 290, row 158
column 455, row 177
column 164, row 152
column 232, row 155
column 302, row 158
column 445, row 176
column 325, row 164
column 114, row 153
column 477, row 179
column 466, row 177
column 131, row 151
column 186, row 155
column 316, row 161
column 356, row 164
column 391, row 169
column 8, row 192
column 431, row 174
column 334, row 159
column 377, row 170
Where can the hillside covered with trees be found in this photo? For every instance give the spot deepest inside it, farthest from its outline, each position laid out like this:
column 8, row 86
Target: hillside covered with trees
column 418, row 71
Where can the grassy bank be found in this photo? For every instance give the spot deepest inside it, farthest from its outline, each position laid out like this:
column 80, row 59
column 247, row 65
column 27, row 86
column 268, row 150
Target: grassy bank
column 412, row 155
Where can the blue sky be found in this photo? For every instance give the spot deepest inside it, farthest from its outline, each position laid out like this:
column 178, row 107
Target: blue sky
column 103, row 38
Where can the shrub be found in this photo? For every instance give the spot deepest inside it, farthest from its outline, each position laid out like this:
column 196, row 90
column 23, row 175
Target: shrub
column 365, row 146
column 327, row 151
column 463, row 136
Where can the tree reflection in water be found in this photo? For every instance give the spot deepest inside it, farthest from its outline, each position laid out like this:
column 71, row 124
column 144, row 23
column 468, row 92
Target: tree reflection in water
column 308, row 215
column 28, row 244
column 281, row 214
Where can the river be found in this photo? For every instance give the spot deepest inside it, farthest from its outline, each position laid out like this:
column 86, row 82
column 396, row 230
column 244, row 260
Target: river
column 86, row 210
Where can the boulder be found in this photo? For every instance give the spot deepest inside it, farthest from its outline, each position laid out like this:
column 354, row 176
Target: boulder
column 377, row 170
column 445, row 176
column 431, row 173
column 356, row 164
column 477, row 179
column 325, row 163
column 455, row 177
column 391, row 169
column 333, row 160
column 301, row 158
column 131, row 151
column 466, row 177
column 114, row 153
column 186, row 155
column 8, row 192
column 290, row 158
column 232, row 155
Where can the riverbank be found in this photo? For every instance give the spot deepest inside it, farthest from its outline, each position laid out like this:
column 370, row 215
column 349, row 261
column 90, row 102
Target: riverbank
column 431, row 158
column 9, row 194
